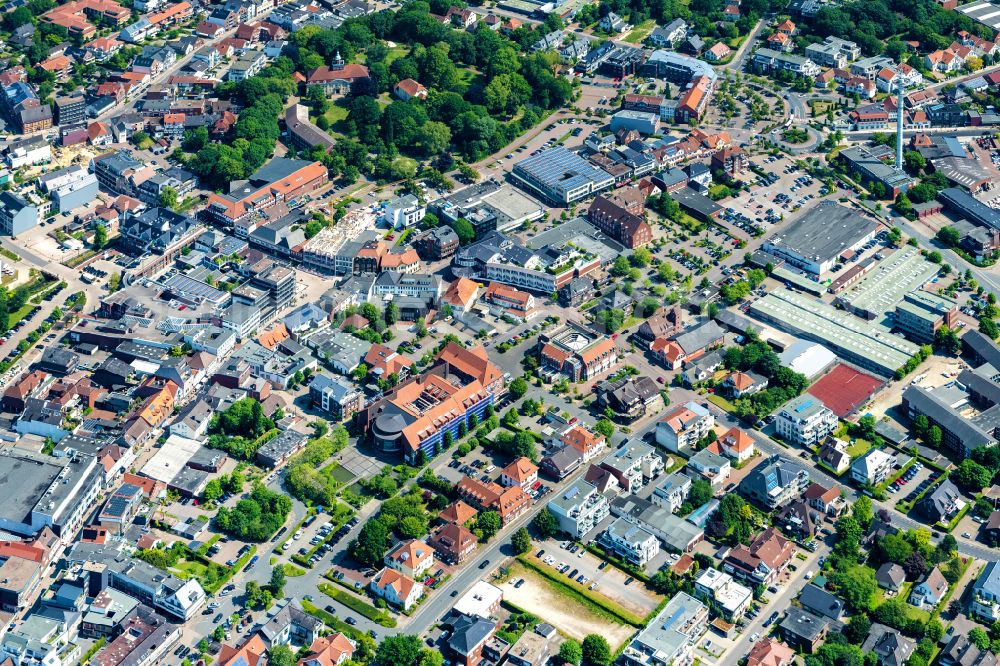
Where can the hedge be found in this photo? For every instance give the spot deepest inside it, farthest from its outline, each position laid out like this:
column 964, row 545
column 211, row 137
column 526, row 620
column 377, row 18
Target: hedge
column 585, row 595
column 357, row 605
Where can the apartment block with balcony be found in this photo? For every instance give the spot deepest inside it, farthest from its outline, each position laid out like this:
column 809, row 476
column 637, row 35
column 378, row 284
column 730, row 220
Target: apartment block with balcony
column 579, row 508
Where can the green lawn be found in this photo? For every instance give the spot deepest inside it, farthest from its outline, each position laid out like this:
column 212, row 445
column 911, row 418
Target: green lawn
column 395, row 53
column 339, row 474
column 640, row 32
column 334, row 115
column 466, row 77
column 859, row 448
column 293, row 571
column 719, row 401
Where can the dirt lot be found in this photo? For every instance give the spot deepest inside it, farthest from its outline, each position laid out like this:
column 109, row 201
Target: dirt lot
column 540, row 597
column 611, row 580
column 935, row 371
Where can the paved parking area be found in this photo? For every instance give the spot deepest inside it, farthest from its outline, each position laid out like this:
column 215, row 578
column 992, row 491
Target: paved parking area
column 609, row 581
column 766, row 204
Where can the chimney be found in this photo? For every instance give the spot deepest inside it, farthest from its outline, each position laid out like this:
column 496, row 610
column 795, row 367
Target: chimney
column 899, row 126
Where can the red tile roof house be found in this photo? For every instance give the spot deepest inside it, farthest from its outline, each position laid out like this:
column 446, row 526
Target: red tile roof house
column 339, row 78
column 763, row 560
column 407, row 89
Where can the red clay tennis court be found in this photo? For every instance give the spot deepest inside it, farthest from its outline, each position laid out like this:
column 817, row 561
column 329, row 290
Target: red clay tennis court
column 844, row 389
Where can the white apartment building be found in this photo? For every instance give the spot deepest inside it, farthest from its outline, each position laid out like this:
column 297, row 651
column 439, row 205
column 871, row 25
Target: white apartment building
column 873, row 467
column 723, row 592
column 579, row 508
column 633, row 543
column 672, row 492
column 805, row 421
column 683, row 427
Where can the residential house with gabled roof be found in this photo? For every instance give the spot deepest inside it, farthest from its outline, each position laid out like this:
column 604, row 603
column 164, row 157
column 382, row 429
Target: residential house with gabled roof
column 769, row 651
column 929, row 592
column 827, row 500
column 454, row 543
column 522, row 473
column 737, row 444
column 890, row 576
column 396, row 588
column 762, row 560
column 413, row 558
column 589, row 444
column 458, row 512
column 960, row 651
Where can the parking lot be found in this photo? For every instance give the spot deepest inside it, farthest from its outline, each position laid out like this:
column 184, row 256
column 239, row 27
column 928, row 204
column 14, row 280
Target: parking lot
column 585, row 569
column 909, row 481
column 314, row 531
column 785, row 190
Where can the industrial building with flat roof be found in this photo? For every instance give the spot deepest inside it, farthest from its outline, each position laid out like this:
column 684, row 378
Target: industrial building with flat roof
column 815, row 240
column 962, row 203
column 866, row 344
column 870, row 162
column 561, row 176
column 984, row 13
column 879, row 291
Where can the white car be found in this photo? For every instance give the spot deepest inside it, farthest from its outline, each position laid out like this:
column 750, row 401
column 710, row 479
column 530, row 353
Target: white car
column 754, row 636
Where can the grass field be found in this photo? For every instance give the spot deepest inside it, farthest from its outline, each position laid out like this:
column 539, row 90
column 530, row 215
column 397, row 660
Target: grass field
column 334, row 115
column 358, row 605
column 339, row 474
column 640, row 32
column 395, row 53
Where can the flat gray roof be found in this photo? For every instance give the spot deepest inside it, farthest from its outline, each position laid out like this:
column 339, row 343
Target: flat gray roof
column 865, row 341
column 24, row 480
column 885, row 285
column 823, row 232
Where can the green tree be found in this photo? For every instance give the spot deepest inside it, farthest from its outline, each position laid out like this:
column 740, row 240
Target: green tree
column 605, row 427
column 570, row 652
column 464, row 230
column 213, row 491
column 971, row 477
column 517, row 389
column 545, row 524
column 398, row 650
column 863, row 512
column 372, row 542
column 521, row 541
column 979, row 638
column 100, row 237
column 858, row 587
column 989, row 328
column 949, row 235
column 168, row 198
column 277, row 583
column 700, row 494
column 595, row 650
column 641, row 257
column 281, row 655
column 488, row 523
